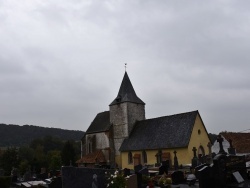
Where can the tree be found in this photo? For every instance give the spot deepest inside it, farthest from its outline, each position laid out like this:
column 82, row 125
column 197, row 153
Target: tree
column 9, row 159
column 68, row 154
column 55, row 160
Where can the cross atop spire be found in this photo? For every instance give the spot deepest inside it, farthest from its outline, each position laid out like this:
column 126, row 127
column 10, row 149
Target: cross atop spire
column 125, row 67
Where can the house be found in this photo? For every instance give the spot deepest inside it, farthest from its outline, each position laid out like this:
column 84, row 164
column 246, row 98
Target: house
column 239, row 141
column 123, row 136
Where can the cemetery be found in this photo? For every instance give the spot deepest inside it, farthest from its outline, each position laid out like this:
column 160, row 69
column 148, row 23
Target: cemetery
column 221, row 170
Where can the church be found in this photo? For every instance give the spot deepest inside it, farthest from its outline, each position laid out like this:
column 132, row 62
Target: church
column 122, row 137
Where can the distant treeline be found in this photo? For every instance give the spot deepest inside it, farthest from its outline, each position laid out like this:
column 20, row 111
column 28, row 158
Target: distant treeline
column 15, row 135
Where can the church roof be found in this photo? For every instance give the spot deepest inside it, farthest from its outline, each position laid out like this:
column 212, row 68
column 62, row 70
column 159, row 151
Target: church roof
column 95, row 157
column 100, row 123
column 164, row 132
column 126, row 92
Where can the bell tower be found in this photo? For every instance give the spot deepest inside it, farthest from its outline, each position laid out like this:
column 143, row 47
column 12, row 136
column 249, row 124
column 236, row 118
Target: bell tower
column 125, row 110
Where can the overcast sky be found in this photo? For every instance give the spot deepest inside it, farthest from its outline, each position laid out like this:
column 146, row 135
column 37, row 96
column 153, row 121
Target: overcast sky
column 62, row 62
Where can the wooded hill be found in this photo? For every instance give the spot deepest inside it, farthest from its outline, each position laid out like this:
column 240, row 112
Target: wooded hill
column 15, row 135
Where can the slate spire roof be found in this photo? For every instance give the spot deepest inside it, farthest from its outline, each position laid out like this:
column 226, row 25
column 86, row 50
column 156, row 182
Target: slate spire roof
column 126, row 92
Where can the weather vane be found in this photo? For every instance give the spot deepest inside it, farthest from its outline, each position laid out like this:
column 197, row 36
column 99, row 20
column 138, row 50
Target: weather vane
column 125, row 66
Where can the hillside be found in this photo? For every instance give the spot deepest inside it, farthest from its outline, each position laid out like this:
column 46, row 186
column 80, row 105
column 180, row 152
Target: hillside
column 15, row 135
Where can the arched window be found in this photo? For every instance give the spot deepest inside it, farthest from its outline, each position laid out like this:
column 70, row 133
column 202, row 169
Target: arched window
column 159, row 157
column 144, row 157
column 201, row 151
column 130, row 157
column 90, row 147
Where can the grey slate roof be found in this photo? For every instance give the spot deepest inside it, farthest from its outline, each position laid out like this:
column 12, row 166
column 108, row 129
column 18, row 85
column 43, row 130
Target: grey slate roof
column 164, row 132
column 100, row 123
column 126, row 92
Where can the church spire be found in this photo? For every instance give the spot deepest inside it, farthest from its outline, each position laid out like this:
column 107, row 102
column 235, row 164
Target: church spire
column 126, row 92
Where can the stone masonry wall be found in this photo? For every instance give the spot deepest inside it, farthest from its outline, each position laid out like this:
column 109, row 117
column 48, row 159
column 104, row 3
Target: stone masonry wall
column 122, row 117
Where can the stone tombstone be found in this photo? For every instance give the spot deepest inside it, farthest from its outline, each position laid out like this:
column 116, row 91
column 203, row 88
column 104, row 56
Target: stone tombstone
column 238, row 177
column 176, row 165
column 195, row 159
column 137, row 168
column 236, row 163
column 144, row 171
column 209, row 158
column 132, row 181
column 220, row 140
column 231, row 149
column 178, row 177
column 163, row 169
column 219, row 170
column 73, row 177
column 126, row 172
column 197, row 168
column 205, row 177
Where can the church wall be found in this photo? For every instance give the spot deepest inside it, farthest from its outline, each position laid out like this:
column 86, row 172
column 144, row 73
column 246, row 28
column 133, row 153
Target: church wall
column 122, row 117
column 136, row 112
column 151, row 157
column 199, row 137
column 119, row 121
column 101, row 142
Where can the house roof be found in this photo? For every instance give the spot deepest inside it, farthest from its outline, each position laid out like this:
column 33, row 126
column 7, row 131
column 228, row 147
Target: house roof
column 240, row 141
column 100, row 123
column 126, row 93
column 95, row 157
column 164, row 132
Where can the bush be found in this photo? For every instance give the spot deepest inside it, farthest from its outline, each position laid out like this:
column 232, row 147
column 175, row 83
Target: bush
column 5, row 181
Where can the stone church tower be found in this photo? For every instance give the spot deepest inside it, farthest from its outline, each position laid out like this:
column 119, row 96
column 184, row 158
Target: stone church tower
column 125, row 110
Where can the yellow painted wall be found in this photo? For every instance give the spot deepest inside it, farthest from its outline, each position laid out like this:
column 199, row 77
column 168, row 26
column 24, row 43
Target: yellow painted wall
column 151, row 158
column 118, row 161
column 184, row 155
column 197, row 139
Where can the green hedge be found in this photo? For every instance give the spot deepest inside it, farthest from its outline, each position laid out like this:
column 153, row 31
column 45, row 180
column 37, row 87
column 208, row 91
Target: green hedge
column 5, row 181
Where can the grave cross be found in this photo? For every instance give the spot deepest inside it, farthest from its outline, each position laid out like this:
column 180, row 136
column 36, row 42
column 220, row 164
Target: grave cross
column 176, row 165
column 220, row 140
column 231, row 143
column 231, row 149
column 194, row 150
column 209, row 145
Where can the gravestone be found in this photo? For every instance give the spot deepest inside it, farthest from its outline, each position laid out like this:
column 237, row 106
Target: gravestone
column 132, row 181
column 236, row 163
column 178, row 177
column 231, row 149
column 195, row 159
column 144, row 171
column 209, row 158
column 196, row 172
column 220, row 140
column 205, row 177
column 176, row 165
column 126, row 172
column 238, row 177
column 163, row 168
column 73, row 177
column 137, row 168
